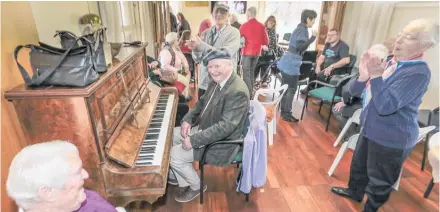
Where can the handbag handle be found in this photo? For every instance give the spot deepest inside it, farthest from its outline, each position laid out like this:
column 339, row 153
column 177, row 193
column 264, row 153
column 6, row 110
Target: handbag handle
column 40, row 79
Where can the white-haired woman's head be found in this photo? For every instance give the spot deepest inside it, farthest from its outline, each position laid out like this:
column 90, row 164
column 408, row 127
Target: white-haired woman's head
column 49, row 170
column 415, row 38
column 172, row 38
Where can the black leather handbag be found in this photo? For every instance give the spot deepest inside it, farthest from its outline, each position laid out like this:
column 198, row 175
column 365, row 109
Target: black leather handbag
column 96, row 38
column 53, row 66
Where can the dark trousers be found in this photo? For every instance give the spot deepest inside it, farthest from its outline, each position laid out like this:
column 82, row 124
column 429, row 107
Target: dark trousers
column 201, row 92
column 321, row 77
column 182, row 110
column 249, row 63
column 190, row 61
column 286, row 101
column 262, row 68
column 374, row 170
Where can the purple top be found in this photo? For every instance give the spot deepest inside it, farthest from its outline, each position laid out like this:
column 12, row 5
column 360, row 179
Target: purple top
column 95, row 203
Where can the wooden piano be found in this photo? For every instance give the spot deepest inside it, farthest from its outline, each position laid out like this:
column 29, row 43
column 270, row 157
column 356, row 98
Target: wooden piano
column 122, row 125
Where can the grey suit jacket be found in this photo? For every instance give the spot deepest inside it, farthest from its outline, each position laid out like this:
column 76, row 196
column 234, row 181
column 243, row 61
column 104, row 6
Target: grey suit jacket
column 229, row 39
column 223, row 119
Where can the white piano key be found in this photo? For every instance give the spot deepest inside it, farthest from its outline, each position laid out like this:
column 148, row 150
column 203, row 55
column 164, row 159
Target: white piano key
column 160, row 146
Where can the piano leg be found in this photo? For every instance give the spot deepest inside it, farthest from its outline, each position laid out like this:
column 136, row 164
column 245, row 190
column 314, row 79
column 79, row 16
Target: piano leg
column 139, row 206
column 136, row 204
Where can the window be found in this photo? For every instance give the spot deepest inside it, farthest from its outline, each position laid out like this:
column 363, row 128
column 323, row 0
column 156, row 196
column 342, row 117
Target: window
column 288, row 15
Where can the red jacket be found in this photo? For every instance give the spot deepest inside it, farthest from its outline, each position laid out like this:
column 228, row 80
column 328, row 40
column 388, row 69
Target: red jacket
column 256, row 36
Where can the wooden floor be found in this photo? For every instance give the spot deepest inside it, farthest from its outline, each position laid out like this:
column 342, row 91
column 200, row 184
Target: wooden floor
column 297, row 177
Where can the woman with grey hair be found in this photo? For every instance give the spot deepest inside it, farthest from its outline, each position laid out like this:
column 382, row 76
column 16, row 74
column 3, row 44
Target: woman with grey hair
column 49, row 176
column 173, row 62
column 391, row 95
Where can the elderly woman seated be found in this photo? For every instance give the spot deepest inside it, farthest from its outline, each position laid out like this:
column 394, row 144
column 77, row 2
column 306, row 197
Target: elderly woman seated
column 49, row 177
column 174, row 63
column 155, row 74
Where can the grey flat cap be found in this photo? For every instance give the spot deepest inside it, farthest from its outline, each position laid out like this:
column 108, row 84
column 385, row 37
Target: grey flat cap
column 221, row 7
column 216, row 54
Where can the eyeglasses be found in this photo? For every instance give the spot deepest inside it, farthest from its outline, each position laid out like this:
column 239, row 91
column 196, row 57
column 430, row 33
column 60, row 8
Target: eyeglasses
column 406, row 36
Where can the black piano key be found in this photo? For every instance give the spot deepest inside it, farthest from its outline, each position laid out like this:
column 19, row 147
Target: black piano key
column 143, row 160
column 146, row 157
column 151, row 136
column 155, row 125
column 158, row 116
column 144, row 163
column 148, row 148
column 161, row 108
column 150, row 143
column 147, row 152
column 153, row 130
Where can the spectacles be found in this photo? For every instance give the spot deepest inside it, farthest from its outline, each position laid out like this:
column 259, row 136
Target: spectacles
column 406, row 36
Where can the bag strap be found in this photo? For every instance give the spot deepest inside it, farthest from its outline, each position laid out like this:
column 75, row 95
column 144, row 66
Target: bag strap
column 173, row 54
column 40, row 79
column 24, row 74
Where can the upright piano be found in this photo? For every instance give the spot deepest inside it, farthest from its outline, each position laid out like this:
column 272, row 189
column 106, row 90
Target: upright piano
column 122, row 125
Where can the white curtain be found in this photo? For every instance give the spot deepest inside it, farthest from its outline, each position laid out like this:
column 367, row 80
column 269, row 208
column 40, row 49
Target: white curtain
column 111, row 17
column 364, row 24
column 146, row 27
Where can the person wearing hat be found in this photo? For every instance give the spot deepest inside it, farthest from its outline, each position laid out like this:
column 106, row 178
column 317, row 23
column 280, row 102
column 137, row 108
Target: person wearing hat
column 221, row 35
column 218, row 115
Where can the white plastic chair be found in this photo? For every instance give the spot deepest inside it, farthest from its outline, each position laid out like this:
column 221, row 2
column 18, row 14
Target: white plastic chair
column 355, row 118
column 351, row 144
column 274, row 96
column 434, row 160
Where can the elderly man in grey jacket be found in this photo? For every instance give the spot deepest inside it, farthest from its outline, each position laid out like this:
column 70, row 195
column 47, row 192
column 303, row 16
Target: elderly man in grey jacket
column 221, row 35
column 218, row 115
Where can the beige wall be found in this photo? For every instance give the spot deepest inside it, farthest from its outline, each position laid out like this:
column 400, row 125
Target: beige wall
column 52, row 16
column 403, row 13
column 17, row 28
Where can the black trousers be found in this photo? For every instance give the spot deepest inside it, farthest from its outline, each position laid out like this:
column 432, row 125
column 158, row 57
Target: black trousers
column 321, row 77
column 286, row 101
column 190, row 61
column 200, row 93
column 374, row 170
column 249, row 64
column 182, row 110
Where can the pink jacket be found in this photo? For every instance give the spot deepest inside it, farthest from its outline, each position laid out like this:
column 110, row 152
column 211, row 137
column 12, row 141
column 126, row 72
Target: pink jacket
column 165, row 60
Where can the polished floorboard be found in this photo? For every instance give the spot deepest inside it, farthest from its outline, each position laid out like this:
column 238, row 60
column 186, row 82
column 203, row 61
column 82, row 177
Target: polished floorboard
column 297, row 178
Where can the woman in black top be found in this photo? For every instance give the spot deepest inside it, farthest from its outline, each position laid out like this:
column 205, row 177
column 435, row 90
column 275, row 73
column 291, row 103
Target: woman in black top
column 183, row 24
column 268, row 51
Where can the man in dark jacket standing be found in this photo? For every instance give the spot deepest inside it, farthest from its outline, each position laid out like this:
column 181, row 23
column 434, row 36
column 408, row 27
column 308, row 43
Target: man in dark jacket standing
column 255, row 36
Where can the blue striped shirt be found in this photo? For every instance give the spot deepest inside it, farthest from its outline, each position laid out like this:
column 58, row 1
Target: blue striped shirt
column 390, row 118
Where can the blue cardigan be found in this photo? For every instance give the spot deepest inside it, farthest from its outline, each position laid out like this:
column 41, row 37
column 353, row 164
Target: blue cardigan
column 390, row 118
column 290, row 62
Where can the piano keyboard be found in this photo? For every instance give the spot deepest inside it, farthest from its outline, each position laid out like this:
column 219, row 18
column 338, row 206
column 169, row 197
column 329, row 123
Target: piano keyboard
column 153, row 145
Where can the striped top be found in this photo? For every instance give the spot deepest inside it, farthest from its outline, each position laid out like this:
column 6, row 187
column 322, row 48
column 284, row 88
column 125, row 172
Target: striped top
column 390, row 117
